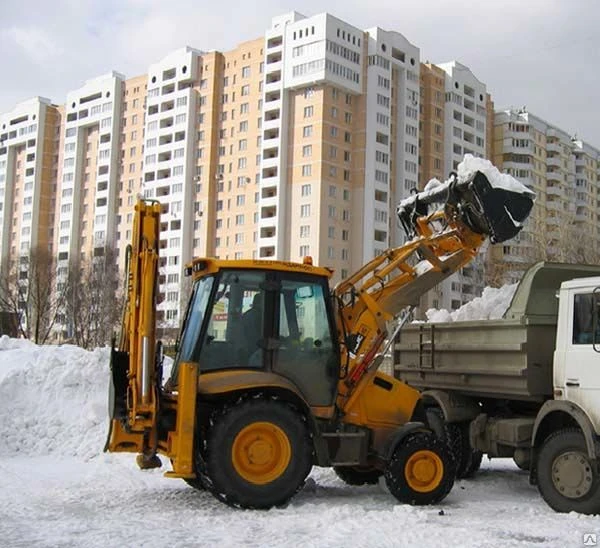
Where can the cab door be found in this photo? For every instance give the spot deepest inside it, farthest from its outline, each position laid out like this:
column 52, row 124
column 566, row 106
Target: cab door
column 581, row 369
column 306, row 350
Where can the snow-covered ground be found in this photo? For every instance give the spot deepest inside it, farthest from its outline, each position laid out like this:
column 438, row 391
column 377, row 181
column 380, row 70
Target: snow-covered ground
column 58, row 488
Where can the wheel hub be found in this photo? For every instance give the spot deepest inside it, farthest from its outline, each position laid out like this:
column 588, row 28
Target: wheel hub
column 423, row 471
column 261, row 452
column 572, row 475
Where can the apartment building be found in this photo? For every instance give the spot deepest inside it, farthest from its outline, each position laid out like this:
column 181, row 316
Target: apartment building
column 456, row 119
column 300, row 142
column 340, row 140
column 29, row 136
column 564, row 173
column 88, row 174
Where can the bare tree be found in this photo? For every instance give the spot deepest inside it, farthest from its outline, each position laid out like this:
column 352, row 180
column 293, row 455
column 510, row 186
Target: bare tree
column 30, row 292
column 93, row 300
column 556, row 234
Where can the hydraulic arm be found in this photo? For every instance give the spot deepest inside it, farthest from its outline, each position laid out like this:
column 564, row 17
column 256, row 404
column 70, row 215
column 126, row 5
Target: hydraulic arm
column 134, row 391
column 443, row 240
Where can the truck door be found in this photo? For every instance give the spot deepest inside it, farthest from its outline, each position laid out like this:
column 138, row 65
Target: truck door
column 582, row 357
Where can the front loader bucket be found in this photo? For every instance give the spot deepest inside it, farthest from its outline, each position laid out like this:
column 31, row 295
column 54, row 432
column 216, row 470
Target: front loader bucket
column 494, row 210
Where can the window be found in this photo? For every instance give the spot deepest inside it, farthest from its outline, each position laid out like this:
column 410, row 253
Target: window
column 244, row 108
column 305, row 210
column 306, row 131
column 304, row 231
column 307, row 150
column 308, row 111
column 245, row 90
column 243, row 126
column 306, row 170
column 245, row 72
column 584, row 321
column 304, row 250
column 240, row 200
column 306, row 190
column 239, row 219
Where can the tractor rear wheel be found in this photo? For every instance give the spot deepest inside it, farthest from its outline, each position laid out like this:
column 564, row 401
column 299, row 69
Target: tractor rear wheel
column 259, row 454
column 421, row 470
column 358, row 475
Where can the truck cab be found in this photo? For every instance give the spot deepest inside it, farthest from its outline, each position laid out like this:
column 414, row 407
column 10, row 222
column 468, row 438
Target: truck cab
column 577, row 354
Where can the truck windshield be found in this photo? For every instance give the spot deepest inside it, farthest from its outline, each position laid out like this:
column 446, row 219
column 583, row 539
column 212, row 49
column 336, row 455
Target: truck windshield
column 194, row 318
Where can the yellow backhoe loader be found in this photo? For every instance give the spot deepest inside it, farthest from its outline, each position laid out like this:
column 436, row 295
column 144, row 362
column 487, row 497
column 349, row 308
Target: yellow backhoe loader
column 276, row 372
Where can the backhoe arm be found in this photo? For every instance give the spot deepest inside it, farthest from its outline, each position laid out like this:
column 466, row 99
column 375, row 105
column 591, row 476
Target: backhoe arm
column 134, row 380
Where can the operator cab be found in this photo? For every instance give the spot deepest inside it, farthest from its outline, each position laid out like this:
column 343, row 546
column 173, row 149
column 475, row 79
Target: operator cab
column 260, row 318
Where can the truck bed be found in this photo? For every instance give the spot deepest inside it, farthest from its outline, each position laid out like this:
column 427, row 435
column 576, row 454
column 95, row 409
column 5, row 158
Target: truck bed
column 495, row 358
column 509, row 358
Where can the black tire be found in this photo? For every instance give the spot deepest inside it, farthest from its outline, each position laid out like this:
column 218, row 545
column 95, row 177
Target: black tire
column 196, row 483
column 439, row 476
column 522, row 465
column 470, row 459
column 258, row 430
column 358, row 475
column 567, row 478
column 454, row 436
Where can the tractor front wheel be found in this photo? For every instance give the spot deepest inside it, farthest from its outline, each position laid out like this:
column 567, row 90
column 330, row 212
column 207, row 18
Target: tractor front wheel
column 421, row 470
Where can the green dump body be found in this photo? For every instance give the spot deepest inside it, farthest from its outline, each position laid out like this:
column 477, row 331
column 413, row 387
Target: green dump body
column 510, row 358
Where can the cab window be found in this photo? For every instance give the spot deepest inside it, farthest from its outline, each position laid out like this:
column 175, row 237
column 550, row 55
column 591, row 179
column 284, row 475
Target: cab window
column 586, row 320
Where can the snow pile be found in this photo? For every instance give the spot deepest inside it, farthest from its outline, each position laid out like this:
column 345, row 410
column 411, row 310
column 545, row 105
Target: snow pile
column 53, row 399
column 471, row 164
column 492, row 305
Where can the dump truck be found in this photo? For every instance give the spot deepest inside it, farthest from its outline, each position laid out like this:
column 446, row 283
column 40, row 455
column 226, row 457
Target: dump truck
column 526, row 386
column 276, row 372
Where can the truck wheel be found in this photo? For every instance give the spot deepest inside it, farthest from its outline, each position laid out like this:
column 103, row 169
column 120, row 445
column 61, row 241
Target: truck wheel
column 358, row 475
column 470, row 459
column 449, row 433
column 259, row 454
column 421, row 470
column 567, row 478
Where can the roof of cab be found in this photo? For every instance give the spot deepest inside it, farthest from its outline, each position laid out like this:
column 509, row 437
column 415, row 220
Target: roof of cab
column 201, row 266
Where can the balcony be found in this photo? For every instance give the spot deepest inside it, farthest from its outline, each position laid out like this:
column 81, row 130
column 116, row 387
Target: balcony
column 554, row 176
column 267, row 252
column 268, row 212
column 553, row 161
column 553, row 146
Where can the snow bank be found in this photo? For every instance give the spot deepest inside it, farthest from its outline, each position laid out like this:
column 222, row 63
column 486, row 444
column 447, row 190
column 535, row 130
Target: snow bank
column 53, row 399
column 492, row 305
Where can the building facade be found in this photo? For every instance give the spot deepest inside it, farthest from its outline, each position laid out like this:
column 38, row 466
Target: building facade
column 563, row 171
column 300, row 142
column 29, row 143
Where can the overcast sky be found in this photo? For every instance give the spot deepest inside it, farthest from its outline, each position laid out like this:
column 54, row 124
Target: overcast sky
column 542, row 54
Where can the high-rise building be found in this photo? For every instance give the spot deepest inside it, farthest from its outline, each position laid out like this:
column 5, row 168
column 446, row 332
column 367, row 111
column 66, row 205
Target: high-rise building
column 89, row 170
column 29, row 137
column 456, row 119
column 300, row 142
column 340, row 139
column 564, row 172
